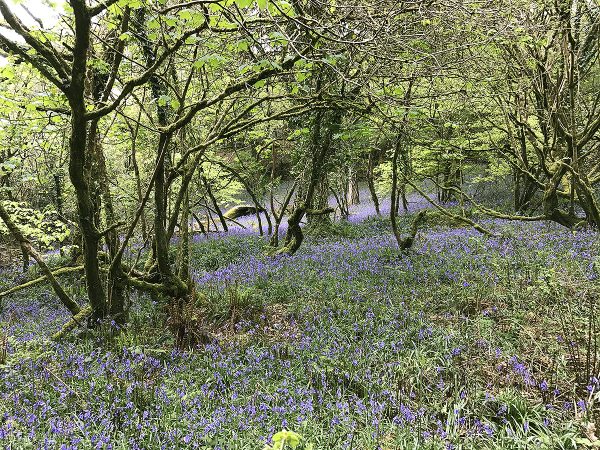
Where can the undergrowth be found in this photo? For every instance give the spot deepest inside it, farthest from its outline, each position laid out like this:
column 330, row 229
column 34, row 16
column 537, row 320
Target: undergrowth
column 466, row 342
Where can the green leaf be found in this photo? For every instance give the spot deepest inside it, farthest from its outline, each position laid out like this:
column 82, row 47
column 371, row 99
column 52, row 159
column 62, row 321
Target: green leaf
column 7, row 72
column 163, row 100
column 133, row 4
column 286, row 438
column 213, row 60
column 185, row 14
column 278, row 38
column 301, row 76
column 287, row 8
column 588, row 443
column 153, row 24
column 215, row 7
column 219, row 21
column 243, row 46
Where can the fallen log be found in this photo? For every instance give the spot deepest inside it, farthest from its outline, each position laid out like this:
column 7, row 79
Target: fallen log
column 57, row 272
column 241, row 211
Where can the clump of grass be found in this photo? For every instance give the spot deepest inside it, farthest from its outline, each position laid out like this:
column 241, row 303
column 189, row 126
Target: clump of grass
column 574, row 297
column 232, row 304
column 214, row 253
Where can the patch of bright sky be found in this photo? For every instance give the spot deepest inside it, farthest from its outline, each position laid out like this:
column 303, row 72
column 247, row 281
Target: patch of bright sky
column 46, row 11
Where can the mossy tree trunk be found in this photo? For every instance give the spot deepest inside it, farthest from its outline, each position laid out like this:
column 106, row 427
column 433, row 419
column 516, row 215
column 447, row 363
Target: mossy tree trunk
column 400, row 149
column 325, row 125
column 371, row 180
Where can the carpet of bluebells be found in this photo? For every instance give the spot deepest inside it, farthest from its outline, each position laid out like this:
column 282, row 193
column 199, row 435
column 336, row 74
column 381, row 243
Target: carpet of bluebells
column 461, row 343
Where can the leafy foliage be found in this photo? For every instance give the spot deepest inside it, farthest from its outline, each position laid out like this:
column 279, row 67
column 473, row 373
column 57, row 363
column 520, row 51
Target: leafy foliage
column 42, row 227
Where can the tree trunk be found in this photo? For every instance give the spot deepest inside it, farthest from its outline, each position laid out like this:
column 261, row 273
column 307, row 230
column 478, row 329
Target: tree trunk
column 78, row 159
column 371, row 181
column 86, row 210
column 394, row 192
column 160, row 214
column 353, row 187
column 215, row 203
column 325, row 125
column 278, row 216
column 320, row 201
column 398, row 152
column 116, row 278
column 136, row 173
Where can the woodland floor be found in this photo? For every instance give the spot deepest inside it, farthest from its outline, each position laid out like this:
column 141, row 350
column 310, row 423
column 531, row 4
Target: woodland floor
column 461, row 343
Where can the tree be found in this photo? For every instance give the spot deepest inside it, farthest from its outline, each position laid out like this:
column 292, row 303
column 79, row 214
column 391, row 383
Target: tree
column 182, row 79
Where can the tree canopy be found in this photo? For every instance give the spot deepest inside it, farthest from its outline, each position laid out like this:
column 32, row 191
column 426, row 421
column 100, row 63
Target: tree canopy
column 131, row 123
